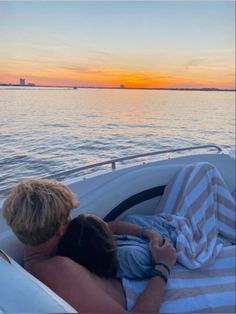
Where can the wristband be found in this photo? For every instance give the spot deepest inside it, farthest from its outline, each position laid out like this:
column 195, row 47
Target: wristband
column 162, row 264
column 158, row 273
column 151, row 272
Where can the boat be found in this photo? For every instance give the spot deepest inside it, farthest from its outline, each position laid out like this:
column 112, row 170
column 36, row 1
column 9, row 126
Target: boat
column 111, row 194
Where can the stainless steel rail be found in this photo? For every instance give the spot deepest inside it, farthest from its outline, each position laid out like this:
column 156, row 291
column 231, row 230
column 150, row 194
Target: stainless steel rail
column 114, row 161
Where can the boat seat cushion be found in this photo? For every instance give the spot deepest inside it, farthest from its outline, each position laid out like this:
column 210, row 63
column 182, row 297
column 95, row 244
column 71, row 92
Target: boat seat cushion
column 101, row 199
column 20, row 292
column 104, row 198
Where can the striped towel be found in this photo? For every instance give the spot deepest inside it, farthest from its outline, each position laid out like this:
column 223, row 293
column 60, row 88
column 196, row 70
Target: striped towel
column 208, row 290
column 198, row 205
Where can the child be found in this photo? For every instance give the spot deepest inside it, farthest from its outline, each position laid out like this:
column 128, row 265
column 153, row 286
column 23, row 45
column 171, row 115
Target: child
column 111, row 249
column 196, row 215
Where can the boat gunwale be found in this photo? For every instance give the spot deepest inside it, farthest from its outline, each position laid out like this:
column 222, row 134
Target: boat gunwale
column 130, row 157
column 121, row 159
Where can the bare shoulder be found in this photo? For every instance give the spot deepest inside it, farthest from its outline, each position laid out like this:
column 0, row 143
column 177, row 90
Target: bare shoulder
column 77, row 286
column 62, row 273
column 65, row 265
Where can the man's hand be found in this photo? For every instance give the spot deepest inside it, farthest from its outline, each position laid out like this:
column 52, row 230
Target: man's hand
column 153, row 235
column 165, row 253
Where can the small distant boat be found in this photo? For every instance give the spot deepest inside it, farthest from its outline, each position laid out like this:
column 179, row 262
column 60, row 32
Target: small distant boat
column 75, row 87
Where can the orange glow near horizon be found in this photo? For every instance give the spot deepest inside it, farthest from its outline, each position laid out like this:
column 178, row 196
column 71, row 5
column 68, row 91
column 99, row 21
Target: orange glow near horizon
column 112, row 77
column 108, row 44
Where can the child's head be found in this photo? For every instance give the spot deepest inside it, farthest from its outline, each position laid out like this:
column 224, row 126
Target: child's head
column 89, row 241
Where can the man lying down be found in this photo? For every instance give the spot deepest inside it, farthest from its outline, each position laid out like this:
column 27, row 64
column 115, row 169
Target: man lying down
column 196, row 216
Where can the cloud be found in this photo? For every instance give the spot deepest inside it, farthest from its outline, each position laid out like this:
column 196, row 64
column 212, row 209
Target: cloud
column 230, row 74
column 196, row 62
column 103, row 53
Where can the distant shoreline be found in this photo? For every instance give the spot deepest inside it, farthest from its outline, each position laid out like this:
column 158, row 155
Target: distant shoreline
column 120, row 88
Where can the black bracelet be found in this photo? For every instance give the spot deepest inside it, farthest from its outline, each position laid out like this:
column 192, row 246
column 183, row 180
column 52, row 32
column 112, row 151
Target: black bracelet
column 158, row 273
column 162, row 264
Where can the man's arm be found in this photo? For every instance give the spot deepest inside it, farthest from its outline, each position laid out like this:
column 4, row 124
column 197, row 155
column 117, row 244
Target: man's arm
column 149, row 301
column 124, row 227
column 77, row 286
column 151, row 298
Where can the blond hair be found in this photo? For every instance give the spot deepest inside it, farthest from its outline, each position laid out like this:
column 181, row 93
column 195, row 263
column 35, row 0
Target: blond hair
column 34, row 209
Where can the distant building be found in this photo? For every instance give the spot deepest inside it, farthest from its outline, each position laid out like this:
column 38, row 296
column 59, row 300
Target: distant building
column 22, row 82
column 122, row 86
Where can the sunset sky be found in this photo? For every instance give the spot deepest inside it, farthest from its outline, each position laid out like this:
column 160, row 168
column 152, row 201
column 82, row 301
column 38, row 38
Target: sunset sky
column 138, row 44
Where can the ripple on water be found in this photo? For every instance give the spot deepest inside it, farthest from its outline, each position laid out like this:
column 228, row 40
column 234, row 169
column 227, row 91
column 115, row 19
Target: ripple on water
column 45, row 133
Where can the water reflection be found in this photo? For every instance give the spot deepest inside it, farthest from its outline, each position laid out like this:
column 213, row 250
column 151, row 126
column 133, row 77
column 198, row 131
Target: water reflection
column 46, row 131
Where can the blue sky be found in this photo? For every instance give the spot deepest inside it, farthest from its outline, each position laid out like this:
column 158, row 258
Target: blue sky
column 174, row 39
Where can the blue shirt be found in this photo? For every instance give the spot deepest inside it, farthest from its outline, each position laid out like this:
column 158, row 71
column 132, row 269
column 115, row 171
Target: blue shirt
column 133, row 254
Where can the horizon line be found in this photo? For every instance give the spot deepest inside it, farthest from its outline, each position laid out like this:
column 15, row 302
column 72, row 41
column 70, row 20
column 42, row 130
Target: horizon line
column 122, row 87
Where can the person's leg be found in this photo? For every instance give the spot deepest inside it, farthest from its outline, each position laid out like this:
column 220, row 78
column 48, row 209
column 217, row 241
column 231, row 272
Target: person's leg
column 200, row 186
column 198, row 204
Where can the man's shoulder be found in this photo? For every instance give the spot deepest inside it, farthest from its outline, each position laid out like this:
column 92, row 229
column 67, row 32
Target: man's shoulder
column 61, row 270
column 62, row 263
column 60, row 260
column 77, row 286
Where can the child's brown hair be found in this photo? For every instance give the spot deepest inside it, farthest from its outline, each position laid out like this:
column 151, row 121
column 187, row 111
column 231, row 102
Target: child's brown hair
column 89, row 241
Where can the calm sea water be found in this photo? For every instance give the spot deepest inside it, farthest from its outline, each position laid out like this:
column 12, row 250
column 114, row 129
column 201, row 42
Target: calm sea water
column 43, row 132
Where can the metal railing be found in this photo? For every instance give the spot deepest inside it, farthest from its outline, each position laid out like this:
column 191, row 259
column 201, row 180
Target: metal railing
column 116, row 160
